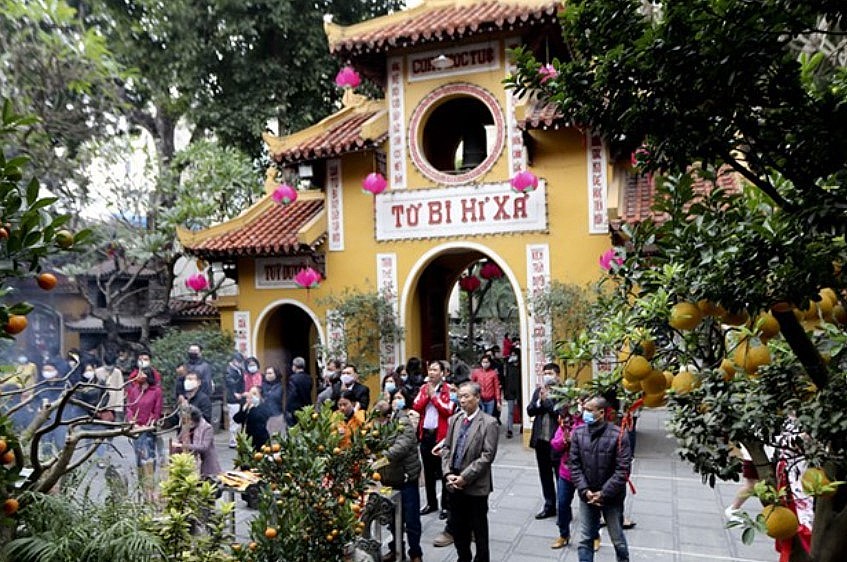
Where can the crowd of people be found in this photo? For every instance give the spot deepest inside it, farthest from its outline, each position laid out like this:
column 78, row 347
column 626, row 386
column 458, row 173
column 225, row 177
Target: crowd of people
column 451, row 411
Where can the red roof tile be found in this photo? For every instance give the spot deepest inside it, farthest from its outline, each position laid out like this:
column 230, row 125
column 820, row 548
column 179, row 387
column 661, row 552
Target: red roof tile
column 639, row 192
column 439, row 21
column 274, row 231
column 182, row 308
column 342, row 137
column 540, row 115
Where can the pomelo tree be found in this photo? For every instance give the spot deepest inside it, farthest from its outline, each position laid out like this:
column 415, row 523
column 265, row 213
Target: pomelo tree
column 745, row 286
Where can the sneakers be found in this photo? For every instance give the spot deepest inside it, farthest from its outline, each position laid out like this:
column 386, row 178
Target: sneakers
column 733, row 515
column 509, row 434
column 443, row 539
column 560, row 542
column 596, row 544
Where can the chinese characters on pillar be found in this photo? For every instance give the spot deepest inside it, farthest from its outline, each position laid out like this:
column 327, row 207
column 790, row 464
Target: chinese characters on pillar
column 336, row 347
column 335, row 205
column 514, row 136
column 396, row 125
column 241, row 321
column 540, row 328
column 386, row 274
column 598, row 217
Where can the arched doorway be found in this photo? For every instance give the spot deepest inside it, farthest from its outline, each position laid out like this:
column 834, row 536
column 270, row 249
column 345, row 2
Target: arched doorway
column 287, row 330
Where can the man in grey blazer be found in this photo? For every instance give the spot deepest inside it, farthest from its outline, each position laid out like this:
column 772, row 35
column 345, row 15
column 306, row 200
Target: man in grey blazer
column 469, row 449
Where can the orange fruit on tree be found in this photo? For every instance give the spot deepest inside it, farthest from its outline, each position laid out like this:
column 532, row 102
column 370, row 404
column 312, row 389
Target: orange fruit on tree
column 252, row 546
column 64, row 239
column 376, row 476
column 685, row 316
column 258, row 456
column 839, row 314
column 637, row 368
column 10, row 507
column 8, row 457
column 16, row 324
column 46, row 281
column 3, row 446
column 654, row 400
column 631, row 386
column 654, row 383
column 708, row 308
column 780, row 522
column 728, row 367
column 684, row 382
column 4, row 234
column 276, row 447
column 270, row 533
column 767, row 324
column 735, row 318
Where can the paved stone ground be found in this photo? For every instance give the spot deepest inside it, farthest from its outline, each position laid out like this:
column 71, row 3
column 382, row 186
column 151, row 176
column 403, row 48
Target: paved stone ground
column 678, row 518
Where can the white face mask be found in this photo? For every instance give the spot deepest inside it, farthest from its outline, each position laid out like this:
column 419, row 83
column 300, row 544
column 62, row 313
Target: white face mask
column 49, row 373
column 550, row 380
column 252, row 369
column 347, row 379
column 143, row 364
column 189, row 385
column 88, row 374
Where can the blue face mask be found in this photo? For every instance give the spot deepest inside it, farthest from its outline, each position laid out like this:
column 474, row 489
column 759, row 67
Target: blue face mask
column 454, row 397
column 390, row 387
column 399, row 404
column 588, row 417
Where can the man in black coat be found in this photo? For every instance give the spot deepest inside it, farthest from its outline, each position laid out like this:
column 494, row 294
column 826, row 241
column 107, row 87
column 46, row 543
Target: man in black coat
column 600, row 462
column 350, row 381
column 197, row 364
column 542, row 407
column 299, row 390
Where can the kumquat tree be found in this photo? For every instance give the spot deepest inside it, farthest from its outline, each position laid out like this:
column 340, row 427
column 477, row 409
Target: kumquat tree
column 729, row 304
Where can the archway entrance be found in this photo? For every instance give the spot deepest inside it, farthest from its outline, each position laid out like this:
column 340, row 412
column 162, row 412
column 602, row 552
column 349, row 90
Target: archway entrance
column 286, row 332
column 464, row 319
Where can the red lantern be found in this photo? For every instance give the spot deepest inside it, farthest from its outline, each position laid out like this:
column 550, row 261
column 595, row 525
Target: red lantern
column 469, row 283
column 524, row 182
column 197, row 282
column 490, row 271
column 284, row 194
column 347, row 77
column 308, row 278
column 374, row 183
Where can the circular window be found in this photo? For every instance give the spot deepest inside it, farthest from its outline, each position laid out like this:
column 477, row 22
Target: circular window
column 456, row 133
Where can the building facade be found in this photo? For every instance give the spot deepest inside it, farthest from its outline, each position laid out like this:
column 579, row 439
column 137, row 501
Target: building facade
column 448, row 137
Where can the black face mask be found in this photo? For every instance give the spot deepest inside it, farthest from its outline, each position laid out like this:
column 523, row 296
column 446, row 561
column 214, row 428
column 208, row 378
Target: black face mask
column 193, row 357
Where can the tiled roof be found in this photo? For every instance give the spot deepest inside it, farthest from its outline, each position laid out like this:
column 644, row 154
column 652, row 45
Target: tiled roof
column 639, row 191
column 339, row 138
column 541, row 115
column 439, row 20
column 273, row 231
column 90, row 324
column 183, row 308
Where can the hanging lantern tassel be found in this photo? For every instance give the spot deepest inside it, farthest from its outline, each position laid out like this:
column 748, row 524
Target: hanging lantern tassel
column 308, row 278
column 374, row 183
column 197, row 282
column 347, row 77
column 284, row 194
column 524, row 182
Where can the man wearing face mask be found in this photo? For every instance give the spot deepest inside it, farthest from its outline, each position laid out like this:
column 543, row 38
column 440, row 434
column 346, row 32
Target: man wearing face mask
column 542, row 407
column 197, row 364
column 435, row 408
column 402, row 472
column 599, row 462
column 350, row 381
column 194, row 396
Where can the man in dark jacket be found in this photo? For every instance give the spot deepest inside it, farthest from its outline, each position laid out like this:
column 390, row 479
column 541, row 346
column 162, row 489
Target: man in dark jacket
column 542, row 407
column 299, row 390
column 600, row 462
column 234, row 380
column 402, row 473
column 198, row 365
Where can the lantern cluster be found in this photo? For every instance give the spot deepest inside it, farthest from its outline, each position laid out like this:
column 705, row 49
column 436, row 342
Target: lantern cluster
column 308, row 278
column 490, row 271
column 469, row 283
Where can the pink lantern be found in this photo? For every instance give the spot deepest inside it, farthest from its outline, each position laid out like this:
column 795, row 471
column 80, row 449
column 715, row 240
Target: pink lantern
column 548, row 72
column 284, row 194
column 374, row 183
column 469, row 283
column 524, row 182
column 308, row 278
column 490, row 271
column 347, row 77
column 197, row 282
column 611, row 257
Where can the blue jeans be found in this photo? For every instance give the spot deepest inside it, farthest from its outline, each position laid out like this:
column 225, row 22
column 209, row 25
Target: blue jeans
column 145, row 448
column 564, row 498
column 410, row 498
column 488, row 407
column 589, row 516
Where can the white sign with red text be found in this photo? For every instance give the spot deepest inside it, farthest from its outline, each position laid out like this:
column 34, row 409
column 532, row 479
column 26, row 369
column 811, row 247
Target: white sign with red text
column 540, row 327
column 335, row 205
column 396, row 124
column 279, row 273
column 460, row 211
column 465, row 59
column 386, row 273
column 241, row 319
column 598, row 216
